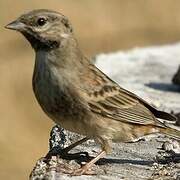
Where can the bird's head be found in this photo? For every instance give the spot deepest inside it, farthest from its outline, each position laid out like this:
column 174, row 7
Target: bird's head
column 44, row 29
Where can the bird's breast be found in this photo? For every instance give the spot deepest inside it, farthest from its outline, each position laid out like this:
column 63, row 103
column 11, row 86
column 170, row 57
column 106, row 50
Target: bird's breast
column 57, row 98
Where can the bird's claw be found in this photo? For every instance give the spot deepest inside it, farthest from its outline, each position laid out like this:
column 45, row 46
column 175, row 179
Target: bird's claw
column 83, row 171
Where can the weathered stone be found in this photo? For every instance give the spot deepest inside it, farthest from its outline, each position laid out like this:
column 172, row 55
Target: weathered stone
column 176, row 78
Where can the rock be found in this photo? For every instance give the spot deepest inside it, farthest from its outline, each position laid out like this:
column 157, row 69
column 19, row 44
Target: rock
column 148, row 73
column 178, row 119
column 172, row 146
column 176, row 78
column 165, row 172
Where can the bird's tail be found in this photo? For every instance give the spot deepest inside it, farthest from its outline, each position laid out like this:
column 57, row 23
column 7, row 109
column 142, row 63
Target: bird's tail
column 172, row 131
column 169, row 122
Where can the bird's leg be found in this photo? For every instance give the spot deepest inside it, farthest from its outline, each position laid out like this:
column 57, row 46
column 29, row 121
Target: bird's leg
column 85, row 169
column 106, row 148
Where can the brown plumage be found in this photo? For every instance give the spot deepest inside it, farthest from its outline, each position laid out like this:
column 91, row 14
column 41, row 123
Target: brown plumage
column 77, row 95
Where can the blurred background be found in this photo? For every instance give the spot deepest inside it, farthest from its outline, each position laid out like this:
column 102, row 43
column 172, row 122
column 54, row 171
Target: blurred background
column 100, row 26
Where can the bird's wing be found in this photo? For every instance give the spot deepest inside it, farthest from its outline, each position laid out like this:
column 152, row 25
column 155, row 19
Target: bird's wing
column 117, row 104
column 112, row 101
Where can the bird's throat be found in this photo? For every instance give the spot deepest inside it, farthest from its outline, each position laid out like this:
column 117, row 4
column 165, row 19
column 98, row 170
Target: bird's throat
column 41, row 43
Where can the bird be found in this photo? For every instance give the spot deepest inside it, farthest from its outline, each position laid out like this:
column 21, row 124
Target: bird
column 78, row 96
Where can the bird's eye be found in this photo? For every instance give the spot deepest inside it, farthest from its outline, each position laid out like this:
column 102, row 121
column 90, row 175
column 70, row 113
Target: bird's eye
column 41, row 21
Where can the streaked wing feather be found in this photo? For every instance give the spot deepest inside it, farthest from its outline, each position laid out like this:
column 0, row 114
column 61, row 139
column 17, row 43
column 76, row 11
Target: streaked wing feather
column 122, row 107
column 108, row 99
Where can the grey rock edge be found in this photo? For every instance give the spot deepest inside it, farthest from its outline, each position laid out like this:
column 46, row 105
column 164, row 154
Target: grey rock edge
column 176, row 78
column 148, row 73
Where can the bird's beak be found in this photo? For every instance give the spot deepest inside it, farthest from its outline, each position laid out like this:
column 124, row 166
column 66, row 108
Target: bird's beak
column 16, row 25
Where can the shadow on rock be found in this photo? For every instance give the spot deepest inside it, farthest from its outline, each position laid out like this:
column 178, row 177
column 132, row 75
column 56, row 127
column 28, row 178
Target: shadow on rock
column 105, row 161
column 164, row 86
column 124, row 161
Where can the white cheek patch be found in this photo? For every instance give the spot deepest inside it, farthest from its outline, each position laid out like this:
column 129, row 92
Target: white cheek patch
column 42, row 28
column 64, row 35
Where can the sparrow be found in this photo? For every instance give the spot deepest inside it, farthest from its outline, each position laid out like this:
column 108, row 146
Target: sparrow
column 78, row 96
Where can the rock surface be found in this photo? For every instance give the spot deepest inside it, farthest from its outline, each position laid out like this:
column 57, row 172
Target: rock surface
column 148, row 73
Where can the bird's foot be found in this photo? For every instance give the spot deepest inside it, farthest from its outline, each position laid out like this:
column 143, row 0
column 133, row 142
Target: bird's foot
column 83, row 171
